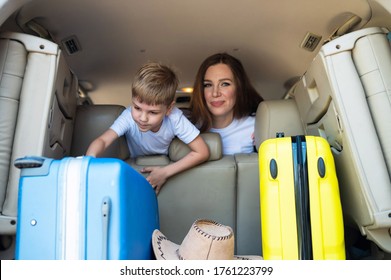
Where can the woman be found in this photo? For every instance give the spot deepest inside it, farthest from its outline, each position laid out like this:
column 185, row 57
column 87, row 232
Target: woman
column 224, row 101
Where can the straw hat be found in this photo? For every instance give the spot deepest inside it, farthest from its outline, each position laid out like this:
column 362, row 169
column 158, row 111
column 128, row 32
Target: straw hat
column 206, row 240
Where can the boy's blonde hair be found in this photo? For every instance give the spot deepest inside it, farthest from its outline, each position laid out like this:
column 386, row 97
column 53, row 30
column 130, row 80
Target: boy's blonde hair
column 155, row 84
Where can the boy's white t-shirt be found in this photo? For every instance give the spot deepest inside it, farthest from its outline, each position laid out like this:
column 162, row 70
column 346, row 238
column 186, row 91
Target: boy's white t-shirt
column 152, row 143
column 238, row 137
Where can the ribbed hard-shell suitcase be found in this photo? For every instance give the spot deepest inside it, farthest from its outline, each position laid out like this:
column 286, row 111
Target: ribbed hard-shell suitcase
column 84, row 208
column 301, row 213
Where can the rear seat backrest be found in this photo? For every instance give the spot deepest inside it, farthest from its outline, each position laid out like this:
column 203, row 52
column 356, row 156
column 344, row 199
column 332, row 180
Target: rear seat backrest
column 212, row 190
column 62, row 113
column 351, row 76
column 35, row 123
column 91, row 121
column 248, row 221
column 205, row 191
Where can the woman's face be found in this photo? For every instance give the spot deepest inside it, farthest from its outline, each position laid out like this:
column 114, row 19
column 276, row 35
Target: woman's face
column 220, row 94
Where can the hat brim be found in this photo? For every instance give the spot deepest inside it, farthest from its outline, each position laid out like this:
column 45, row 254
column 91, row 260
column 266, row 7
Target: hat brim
column 164, row 249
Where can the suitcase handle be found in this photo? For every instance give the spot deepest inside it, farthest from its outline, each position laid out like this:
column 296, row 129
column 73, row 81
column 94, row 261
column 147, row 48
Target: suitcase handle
column 105, row 225
column 29, row 162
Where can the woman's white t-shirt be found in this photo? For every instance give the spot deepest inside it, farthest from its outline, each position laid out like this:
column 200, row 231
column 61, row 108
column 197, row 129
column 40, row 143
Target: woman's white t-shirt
column 238, row 137
column 149, row 143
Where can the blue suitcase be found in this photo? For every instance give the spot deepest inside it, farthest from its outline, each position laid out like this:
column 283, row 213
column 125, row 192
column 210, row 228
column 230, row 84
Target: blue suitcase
column 84, row 208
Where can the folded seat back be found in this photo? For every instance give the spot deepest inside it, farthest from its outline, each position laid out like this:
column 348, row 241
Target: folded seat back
column 345, row 96
column 38, row 95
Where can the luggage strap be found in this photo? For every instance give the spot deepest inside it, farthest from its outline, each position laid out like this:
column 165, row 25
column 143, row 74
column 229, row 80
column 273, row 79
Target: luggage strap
column 71, row 209
column 303, row 220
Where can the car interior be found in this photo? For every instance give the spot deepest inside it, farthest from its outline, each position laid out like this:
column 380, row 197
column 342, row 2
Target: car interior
column 322, row 67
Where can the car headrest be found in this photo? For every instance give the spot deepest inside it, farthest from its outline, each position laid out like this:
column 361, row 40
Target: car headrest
column 178, row 149
column 277, row 116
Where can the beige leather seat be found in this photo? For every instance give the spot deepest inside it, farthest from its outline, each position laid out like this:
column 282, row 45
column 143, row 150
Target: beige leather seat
column 345, row 97
column 225, row 188
column 38, row 96
column 205, row 191
column 91, row 121
column 277, row 116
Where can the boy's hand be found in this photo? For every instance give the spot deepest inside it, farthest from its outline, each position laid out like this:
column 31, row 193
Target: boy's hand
column 157, row 177
column 100, row 144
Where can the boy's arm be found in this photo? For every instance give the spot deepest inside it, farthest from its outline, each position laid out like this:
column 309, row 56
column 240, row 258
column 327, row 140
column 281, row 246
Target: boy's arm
column 100, row 144
column 159, row 175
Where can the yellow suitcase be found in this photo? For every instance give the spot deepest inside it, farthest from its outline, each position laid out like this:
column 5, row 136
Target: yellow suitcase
column 301, row 213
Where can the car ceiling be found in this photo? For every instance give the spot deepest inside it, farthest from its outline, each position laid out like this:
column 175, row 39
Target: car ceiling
column 116, row 37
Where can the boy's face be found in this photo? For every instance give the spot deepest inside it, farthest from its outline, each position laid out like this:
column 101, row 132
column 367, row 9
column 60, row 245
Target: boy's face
column 149, row 117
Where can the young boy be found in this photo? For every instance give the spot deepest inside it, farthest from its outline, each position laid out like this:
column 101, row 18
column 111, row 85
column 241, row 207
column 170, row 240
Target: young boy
column 151, row 123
